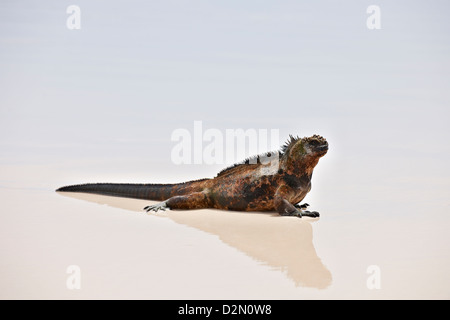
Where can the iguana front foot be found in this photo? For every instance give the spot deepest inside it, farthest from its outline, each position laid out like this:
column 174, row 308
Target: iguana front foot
column 301, row 213
column 313, row 214
column 156, row 207
column 296, row 213
column 303, row 206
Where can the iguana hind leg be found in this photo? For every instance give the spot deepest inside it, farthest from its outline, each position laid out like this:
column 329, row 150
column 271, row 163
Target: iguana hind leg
column 195, row 200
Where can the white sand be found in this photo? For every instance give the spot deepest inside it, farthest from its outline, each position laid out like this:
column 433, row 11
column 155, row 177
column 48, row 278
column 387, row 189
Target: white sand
column 210, row 254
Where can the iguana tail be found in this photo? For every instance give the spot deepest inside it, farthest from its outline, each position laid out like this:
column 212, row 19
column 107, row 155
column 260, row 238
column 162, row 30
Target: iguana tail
column 158, row 192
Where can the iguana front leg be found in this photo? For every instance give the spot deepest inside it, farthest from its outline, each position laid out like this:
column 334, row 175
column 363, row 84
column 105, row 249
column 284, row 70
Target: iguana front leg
column 282, row 205
column 285, row 208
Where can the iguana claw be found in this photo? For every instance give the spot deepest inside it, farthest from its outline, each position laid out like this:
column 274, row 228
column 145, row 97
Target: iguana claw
column 313, row 214
column 156, row 207
column 303, row 206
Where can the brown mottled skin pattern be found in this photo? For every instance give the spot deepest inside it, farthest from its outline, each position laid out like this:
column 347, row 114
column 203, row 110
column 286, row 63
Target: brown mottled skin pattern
column 254, row 185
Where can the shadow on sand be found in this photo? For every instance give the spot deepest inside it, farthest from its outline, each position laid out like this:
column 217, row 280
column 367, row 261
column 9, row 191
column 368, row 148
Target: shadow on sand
column 283, row 243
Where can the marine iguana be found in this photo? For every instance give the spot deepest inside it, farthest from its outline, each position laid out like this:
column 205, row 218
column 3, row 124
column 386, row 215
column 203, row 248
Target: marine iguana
column 253, row 185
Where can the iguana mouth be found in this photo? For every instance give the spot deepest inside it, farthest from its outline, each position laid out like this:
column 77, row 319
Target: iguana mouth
column 323, row 147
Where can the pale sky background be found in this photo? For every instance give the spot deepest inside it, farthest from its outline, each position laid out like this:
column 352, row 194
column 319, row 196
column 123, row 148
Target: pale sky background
column 114, row 91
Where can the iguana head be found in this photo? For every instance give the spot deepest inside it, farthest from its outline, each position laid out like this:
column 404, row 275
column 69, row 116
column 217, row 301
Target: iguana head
column 315, row 146
column 301, row 155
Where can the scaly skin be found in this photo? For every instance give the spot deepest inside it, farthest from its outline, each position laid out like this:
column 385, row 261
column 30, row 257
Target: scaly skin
column 254, row 185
